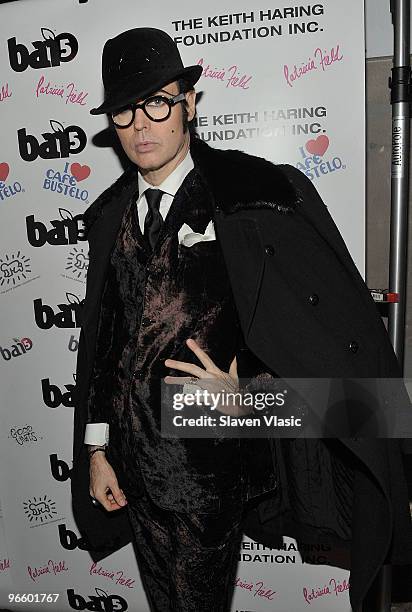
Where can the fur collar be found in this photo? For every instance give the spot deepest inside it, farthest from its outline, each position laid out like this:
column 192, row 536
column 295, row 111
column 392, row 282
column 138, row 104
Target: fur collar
column 235, row 180
column 238, row 180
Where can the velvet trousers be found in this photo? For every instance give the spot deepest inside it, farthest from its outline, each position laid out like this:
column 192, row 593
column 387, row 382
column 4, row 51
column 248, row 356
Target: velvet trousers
column 187, row 562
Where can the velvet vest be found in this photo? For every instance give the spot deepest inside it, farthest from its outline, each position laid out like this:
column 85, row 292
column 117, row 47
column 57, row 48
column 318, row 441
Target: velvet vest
column 153, row 302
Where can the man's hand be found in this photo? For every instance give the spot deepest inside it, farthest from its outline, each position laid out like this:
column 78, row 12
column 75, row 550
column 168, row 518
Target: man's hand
column 211, row 379
column 103, row 483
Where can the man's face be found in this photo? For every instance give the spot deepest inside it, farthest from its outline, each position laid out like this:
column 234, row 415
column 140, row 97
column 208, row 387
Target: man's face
column 158, row 147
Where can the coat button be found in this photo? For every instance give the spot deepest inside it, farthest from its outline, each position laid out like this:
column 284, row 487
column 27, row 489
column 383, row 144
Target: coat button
column 354, row 346
column 269, row 250
column 314, row 299
column 146, row 321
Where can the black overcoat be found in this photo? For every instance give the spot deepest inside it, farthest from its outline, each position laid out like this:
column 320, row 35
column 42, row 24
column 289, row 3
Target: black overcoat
column 305, row 312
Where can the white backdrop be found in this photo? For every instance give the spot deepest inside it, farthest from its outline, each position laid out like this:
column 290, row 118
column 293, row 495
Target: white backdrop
column 285, row 83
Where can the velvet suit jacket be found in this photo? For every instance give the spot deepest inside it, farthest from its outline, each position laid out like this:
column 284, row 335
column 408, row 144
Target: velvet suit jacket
column 152, row 302
column 278, row 239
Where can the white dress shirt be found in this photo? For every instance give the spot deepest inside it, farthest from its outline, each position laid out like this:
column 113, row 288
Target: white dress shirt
column 97, row 434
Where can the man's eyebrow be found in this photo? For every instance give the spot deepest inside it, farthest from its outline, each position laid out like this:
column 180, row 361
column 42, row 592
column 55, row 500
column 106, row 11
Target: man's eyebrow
column 168, row 92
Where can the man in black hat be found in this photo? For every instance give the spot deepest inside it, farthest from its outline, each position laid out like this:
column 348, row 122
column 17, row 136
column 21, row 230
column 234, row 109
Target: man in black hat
column 194, row 269
column 163, row 292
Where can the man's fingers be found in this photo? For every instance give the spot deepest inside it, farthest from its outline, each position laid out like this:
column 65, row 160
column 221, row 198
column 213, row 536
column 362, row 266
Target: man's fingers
column 118, row 496
column 208, row 363
column 104, row 487
column 177, row 380
column 190, row 368
column 111, row 501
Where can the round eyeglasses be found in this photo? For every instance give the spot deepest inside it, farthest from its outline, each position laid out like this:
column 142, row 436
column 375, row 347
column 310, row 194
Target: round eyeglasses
column 157, row 108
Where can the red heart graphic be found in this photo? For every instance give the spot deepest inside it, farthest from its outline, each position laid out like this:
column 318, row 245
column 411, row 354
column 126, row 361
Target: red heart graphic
column 79, row 172
column 318, row 146
column 4, row 171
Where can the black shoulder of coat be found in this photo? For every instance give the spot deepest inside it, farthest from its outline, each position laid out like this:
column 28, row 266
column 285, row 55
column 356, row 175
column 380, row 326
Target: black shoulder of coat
column 238, row 180
column 123, row 184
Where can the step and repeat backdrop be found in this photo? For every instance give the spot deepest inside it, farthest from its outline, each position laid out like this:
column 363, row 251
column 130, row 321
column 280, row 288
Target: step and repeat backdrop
column 283, row 81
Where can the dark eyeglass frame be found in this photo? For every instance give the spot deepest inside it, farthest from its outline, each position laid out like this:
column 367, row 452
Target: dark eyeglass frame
column 134, row 106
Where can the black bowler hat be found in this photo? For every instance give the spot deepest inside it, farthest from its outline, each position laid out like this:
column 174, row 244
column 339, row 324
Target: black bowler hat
column 137, row 63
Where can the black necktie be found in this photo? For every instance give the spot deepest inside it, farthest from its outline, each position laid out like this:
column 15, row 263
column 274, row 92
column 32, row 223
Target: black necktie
column 153, row 220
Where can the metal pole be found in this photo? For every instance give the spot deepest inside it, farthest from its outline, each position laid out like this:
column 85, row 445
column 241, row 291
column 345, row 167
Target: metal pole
column 378, row 598
column 400, row 85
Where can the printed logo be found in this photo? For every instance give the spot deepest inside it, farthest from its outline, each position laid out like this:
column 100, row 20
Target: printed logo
column 68, row 229
column 52, row 568
column 334, row 587
column 70, row 541
column 65, row 182
column 49, row 52
column 99, row 602
column 66, row 317
column 313, row 162
column 285, row 553
column 61, row 142
column 231, row 76
column 24, row 435
column 10, row 190
column 4, row 92
column 40, row 510
column 256, row 589
column 68, row 92
column 59, row 469
column 16, row 350
column 53, row 397
column 15, row 270
column 321, row 59
column 77, row 264
column 117, row 576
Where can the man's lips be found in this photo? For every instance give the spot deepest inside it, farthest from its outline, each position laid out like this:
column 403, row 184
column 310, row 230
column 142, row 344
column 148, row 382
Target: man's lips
column 145, row 147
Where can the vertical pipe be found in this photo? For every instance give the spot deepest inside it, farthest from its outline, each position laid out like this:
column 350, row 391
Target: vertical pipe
column 400, row 99
column 378, row 598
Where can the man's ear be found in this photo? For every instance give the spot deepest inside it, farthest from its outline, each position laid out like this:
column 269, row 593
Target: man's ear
column 191, row 104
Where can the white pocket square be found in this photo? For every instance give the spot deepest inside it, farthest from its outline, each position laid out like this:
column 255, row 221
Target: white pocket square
column 188, row 237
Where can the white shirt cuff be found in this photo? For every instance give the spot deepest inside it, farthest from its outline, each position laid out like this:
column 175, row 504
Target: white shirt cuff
column 97, row 434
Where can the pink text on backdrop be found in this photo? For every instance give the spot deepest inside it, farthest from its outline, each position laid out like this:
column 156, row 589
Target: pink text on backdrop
column 118, row 577
column 4, row 565
column 66, row 92
column 321, row 59
column 4, row 92
column 52, row 567
column 257, row 589
column 230, row 76
column 333, row 588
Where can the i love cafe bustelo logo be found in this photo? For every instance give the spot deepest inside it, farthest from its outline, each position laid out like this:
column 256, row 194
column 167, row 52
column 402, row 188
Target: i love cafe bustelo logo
column 64, row 180
column 315, row 158
column 10, row 188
